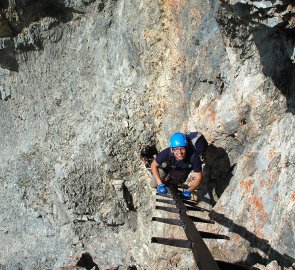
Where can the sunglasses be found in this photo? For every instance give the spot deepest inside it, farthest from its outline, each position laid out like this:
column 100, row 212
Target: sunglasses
column 179, row 149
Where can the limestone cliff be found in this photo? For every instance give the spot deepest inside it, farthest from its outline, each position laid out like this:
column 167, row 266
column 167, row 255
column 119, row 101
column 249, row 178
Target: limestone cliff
column 85, row 84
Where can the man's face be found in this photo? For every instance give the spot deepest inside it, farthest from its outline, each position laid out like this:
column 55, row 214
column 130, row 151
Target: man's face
column 179, row 152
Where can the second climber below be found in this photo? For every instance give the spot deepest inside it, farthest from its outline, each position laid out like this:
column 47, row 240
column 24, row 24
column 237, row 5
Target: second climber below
column 174, row 164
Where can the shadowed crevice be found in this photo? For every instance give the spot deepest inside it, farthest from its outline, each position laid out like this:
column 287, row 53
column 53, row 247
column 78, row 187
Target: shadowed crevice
column 87, row 262
column 15, row 39
column 217, row 171
column 275, row 45
column 8, row 60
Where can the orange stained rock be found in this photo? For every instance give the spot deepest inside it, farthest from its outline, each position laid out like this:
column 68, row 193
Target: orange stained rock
column 170, row 3
column 252, row 102
column 235, row 238
column 257, row 202
column 242, row 183
column 183, row 103
column 262, row 183
column 146, row 35
column 211, row 111
column 176, row 5
column 270, row 181
column 271, row 154
column 257, row 214
column 293, row 196
column 259, row 233
column 246, row 185
column 180, row 29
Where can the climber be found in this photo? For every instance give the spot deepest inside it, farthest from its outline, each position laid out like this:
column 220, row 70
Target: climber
column 174, row 164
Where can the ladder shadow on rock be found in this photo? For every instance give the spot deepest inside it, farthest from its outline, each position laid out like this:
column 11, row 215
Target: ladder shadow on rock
column 202, row 255
column 283, row 260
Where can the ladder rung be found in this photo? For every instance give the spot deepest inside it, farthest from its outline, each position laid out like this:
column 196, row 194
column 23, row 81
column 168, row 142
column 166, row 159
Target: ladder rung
column 198, row 219
column 172, row 242
column 168, row 209
column 166, row 201
column 194, row 208
column 213, row 235
column 170, row 221
column 165, row 195
column 192, row 203
column 231, row 266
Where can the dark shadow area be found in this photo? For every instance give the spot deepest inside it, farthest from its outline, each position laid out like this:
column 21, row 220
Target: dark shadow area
column 56, row 10
column 128, row 198
column 8, row 60
column 147, row 154
column 231, row 266
column 4, row 4
column 31, row 12
column 217, row 173
column 132, row 267
column 275, row 45
column 34, row 11
column 87, row 262
column 256, row 242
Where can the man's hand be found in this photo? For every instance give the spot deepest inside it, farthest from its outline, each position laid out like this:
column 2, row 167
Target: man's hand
column 162, row 189
column 186, row 194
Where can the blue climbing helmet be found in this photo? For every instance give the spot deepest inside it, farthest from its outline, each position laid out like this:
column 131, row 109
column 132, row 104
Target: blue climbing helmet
column 178, row 140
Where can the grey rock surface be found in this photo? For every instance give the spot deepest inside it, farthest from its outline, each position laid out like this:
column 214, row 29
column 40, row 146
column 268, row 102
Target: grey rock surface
column 84, row 85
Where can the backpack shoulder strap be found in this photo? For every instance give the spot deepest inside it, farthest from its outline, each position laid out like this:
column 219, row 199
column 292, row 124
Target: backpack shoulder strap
column 195, row 138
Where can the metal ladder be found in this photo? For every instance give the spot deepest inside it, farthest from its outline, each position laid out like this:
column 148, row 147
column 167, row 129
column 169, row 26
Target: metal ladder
column 202, row 255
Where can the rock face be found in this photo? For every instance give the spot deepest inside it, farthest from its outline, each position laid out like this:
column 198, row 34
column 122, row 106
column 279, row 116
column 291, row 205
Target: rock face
column 84, row 85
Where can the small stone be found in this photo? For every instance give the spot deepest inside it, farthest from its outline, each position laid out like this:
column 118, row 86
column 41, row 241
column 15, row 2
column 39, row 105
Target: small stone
column 273, row 266
column 97, row 217
column 118, row 182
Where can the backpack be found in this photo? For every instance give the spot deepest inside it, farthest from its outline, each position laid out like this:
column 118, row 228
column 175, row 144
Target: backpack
column 197, row 141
